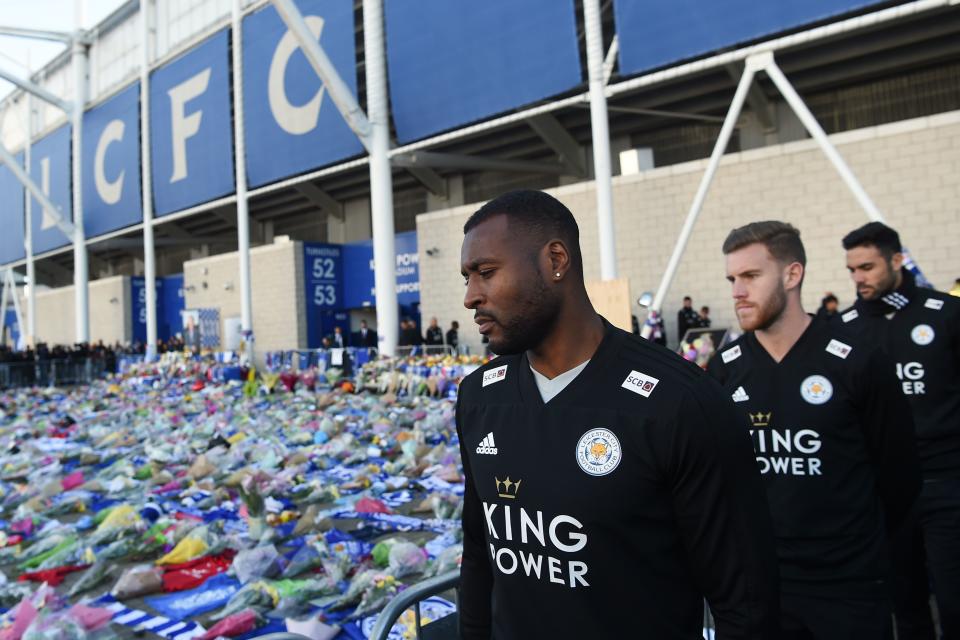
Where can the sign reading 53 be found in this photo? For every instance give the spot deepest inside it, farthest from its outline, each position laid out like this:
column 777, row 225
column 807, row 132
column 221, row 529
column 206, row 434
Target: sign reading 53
column 324, row 295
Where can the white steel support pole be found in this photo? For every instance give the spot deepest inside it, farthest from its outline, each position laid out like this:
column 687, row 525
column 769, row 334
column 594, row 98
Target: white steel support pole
column 381, row 179
column 28, row 235
column 729, row 123
column 601, row 139
column 21, row 175
column 243, row 215
column 817, row 133
column 149, row 253
column 80, row 275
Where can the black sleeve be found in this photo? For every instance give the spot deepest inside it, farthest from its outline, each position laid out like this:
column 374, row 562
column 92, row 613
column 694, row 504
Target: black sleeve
column 722, row 513
column 476, row 576
column 887, row 425
column 716, row 369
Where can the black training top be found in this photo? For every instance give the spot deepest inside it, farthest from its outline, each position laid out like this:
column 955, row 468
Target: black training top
column 612, row 510
column 834, row 442
column 920, row 331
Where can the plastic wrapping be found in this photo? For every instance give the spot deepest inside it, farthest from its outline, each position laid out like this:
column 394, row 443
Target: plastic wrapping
column 138, row 581
column 256, row 563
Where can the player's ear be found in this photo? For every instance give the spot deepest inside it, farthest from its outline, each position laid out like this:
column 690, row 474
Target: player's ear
column 792, row 275
column 558, row 259
column 896, row 261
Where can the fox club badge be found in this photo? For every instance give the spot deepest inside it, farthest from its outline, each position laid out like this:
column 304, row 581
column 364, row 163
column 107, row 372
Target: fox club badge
column 598, row 452
column 816, row 389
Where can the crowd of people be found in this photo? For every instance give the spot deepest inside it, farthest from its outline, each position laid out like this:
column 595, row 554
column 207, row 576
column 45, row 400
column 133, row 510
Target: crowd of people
column 409, row 336
column 79, row 352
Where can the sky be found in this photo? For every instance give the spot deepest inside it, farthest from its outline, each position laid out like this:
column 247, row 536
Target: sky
column 18, row 54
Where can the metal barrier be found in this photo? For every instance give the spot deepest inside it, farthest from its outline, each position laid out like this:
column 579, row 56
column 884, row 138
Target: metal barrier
column 434, row 586
column 51, row 373
column 426, row 349
column 413, row 596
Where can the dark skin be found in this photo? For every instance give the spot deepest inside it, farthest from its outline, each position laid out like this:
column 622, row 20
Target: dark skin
column 528, row 296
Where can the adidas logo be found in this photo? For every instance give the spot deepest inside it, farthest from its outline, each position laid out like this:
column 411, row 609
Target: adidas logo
column 487, row 445
column 740, row 395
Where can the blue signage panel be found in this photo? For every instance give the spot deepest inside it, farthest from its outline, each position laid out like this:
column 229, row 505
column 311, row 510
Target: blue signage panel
column 654, row 33
column 359, row 289
column 138, row 307
column 11, row 215
column 12, row 329
column 111, row 164
column 452, row 61
column 170, row 304
column 190, row 128
column 292, row 125
column 323, row 279
column 50, row 170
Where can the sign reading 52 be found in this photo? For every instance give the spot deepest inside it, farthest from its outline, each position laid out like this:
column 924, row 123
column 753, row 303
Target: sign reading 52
column 324, row 270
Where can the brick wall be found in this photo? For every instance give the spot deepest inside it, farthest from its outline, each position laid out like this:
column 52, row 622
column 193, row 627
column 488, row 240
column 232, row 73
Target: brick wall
column 109, row 321
column 909, row 168
column 276, row 281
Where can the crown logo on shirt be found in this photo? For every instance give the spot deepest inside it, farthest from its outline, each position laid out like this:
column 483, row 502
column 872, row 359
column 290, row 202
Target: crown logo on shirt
column 507, row 488
column 760, row 419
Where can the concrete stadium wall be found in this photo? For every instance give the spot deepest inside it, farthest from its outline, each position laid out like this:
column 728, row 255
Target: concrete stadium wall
column 909, row 168
column 110, row 316
column 278, row 297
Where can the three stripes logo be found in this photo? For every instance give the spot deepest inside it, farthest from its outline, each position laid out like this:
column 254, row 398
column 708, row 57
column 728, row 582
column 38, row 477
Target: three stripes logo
column 487, row 445
column 896, row 300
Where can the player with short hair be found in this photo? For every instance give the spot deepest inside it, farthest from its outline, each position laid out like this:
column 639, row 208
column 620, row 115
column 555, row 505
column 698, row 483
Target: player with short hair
column 832, row 437
column 608, row 488
column 920, row 331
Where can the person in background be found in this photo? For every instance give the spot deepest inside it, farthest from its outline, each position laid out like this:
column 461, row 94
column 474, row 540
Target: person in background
column 828, row 307
column 434, row 334
column 366, row 337
column 704, row 321
column 409, row 335
column 687, row 318
column 453, row 337
column 338, row 340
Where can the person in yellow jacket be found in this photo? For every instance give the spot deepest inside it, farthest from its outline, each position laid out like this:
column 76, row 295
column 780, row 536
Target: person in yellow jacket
column 955, row 291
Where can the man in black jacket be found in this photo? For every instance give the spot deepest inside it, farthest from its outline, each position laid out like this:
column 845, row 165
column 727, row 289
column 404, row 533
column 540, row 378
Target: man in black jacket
column 453, row 337
column 687, row 318
column 434, row 335
column 833, row 440
column 366, row 337
column 608, row 488
column 920, row 331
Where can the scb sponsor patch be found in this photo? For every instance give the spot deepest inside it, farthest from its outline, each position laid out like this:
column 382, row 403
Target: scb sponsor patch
column 640, row 383
column 494, row 375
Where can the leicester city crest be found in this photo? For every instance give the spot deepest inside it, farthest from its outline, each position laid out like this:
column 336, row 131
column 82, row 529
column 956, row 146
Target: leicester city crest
column 816, row 390
column 598, row 452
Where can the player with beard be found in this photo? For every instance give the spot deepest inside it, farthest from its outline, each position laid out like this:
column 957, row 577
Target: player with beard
column 608, row 488
column 920, row 331
column 832, row 437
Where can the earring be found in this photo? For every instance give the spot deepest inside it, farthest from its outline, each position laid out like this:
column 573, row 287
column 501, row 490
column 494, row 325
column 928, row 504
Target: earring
column 558, row 275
